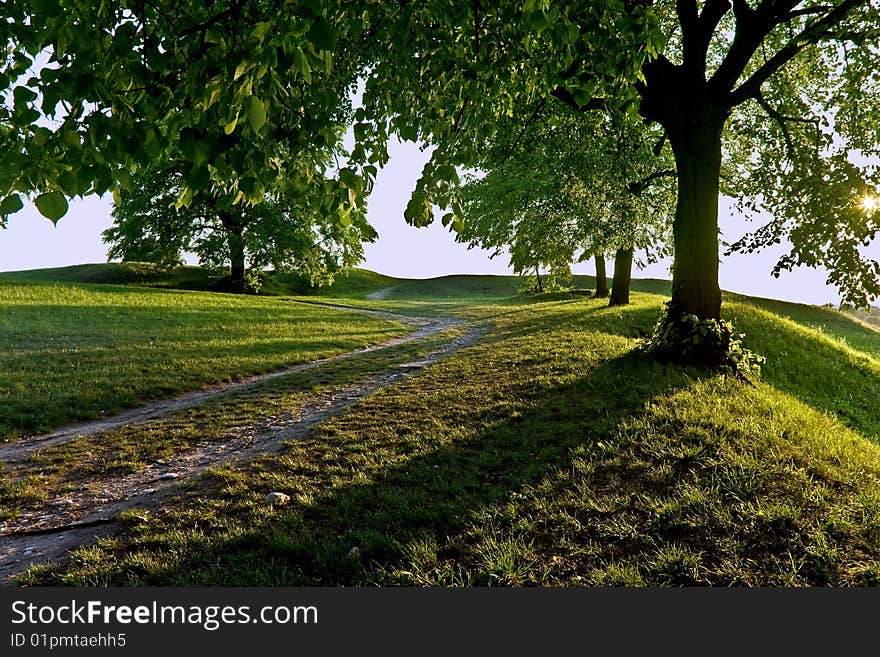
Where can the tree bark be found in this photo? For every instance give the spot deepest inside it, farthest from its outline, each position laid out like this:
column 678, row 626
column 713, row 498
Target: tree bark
column 236, row 258
column 697, row 149
column 601, row 277
column 623, row 260
column 692, row 331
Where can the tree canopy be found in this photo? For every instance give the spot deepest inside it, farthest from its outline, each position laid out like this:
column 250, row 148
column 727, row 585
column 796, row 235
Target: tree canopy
column 730, row 82
column 244, row 94
column 272, row 234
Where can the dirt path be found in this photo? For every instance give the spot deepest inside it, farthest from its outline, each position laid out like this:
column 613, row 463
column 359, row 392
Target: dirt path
column 378, row 295
column 90, row 512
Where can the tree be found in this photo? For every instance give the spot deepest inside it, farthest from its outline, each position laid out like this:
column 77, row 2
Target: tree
column 134, row 78
column 148, row 227
column 701, row 71
column 572, row 187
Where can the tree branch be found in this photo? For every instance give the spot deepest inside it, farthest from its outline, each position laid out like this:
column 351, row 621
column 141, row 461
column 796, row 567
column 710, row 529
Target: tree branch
column 636, row 188
column 752, row 28
column 697, row 30
column 567, row 97
column 781, row 120
column 810, row 35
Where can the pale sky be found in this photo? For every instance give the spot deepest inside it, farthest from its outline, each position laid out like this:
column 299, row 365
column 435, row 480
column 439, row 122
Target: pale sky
column 30, row 242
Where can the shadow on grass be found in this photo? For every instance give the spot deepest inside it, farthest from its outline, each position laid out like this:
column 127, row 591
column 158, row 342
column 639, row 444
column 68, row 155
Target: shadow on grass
column 425, row 463
column 435, row 485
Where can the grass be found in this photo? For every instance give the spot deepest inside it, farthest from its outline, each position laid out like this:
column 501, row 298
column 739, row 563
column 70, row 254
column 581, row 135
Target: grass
column 55, row 471
column 552, row 453
column 73, row 352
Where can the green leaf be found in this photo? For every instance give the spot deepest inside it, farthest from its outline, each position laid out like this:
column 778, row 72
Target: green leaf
column 447, row 172
column 198, row 177
column 10, row 205
column 242, row 68
column 23, row 95
column 256, row 113
column 323, row 35
column 46, row 7
column 213, row 89
column 51, row 205
column 302, row 64
column 229, row 128
column 409, row 132
column 69, row 184
column 538, row 20
column 261, row 30
column 184, row 199
column 124, row 178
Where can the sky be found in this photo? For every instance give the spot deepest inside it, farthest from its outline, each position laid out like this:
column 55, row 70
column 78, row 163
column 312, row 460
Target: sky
column 31, row 242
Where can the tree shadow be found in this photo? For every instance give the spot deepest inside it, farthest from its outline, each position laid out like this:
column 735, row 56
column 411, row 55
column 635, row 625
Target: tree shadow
column 434, row 492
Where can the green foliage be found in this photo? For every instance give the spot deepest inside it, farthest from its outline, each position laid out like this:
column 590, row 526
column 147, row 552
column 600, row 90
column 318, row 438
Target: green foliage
column 558, row 187
column 245, row 95
column 250, row 94
column 820, row 209
column 687, row 338
column 790, row 88
column 555, row 280
column 465, row 69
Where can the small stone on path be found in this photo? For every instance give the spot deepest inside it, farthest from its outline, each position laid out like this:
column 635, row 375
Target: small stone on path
column 145, row 491
column 277, row 498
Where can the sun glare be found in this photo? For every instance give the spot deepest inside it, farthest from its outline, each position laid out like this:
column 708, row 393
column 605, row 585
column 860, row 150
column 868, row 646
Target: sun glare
column 870, row 203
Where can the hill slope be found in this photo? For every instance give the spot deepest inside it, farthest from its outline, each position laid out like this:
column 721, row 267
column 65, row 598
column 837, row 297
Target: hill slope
column 354, row 283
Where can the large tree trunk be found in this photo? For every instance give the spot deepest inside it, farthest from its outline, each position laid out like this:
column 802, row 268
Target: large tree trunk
column 692, row 331
column 695, row 288
column 693, row 113
column 601, row 277
column 623, row 261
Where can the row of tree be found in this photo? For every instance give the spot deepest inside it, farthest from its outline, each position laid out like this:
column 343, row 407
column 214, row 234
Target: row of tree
column 557, row 188
column 776, row 102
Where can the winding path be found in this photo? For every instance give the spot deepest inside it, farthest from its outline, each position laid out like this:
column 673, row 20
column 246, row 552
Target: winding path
column 90, row 512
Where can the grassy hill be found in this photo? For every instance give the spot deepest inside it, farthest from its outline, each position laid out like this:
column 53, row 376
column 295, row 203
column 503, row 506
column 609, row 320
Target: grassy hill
column 355, row 282
column 351, row 284
column 870, row 315
column 552, row 452
column 72, row 351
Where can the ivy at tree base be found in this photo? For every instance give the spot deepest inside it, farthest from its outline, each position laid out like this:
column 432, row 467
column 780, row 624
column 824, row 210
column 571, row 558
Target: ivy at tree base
column 684, row 338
